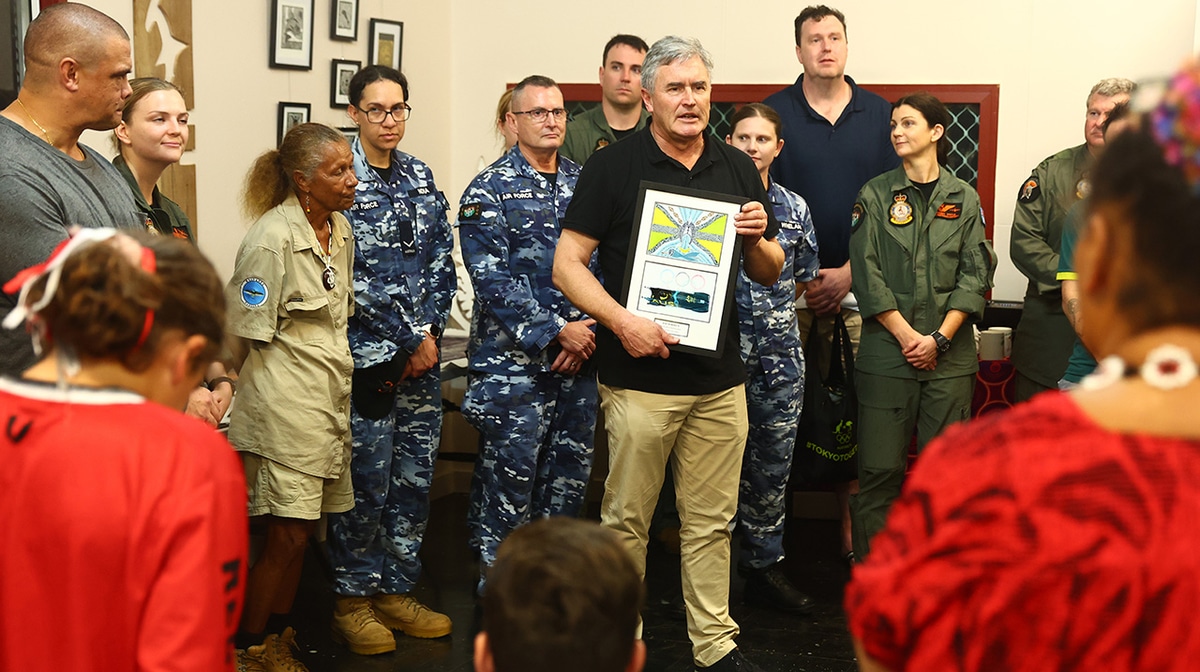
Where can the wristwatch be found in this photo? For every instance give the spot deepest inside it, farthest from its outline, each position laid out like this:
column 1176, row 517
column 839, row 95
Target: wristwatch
column 943, row 343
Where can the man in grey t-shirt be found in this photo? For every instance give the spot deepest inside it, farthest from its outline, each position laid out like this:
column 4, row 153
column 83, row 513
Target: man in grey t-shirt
column 77, row 64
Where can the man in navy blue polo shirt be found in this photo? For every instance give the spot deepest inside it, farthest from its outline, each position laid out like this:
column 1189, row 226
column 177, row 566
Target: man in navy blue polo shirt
column 835, row 139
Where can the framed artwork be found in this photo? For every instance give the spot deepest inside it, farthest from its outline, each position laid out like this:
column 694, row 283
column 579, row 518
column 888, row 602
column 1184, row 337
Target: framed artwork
column 292, row 34
column 387, row 41
column 351, row 132
column 339, row 84
column 684, row 255
column 290, row 115
column 343, row 21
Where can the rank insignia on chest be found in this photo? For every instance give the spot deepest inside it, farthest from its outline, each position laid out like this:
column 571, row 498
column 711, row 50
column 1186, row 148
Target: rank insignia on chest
column 1083, row 188
column 856, row 216
column 601, row 144
column 469, row 211
column 949, row 211
column 901, row 211
column 1029, row 191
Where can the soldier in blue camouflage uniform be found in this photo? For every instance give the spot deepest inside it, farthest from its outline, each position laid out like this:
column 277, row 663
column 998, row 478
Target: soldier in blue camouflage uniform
column 528, row 391
column 403, row 285
column 774, row 358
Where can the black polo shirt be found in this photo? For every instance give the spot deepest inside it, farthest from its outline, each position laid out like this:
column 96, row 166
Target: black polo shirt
column 828, row 163
column 604, row 207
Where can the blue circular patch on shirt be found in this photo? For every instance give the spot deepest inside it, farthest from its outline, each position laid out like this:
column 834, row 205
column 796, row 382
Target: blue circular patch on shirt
column 254, row 292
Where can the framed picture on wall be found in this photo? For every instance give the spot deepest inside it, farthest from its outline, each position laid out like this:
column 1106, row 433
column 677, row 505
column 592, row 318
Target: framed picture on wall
column 339, row 85
column 292, row 115
column 387, row 41
column 343, row 22
column 292, row 34
column 351, row 132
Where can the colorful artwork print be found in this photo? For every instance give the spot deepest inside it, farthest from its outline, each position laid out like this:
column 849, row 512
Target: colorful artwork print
column 687, row 234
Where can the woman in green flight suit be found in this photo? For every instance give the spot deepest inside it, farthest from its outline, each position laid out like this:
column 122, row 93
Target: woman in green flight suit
column 921, row 265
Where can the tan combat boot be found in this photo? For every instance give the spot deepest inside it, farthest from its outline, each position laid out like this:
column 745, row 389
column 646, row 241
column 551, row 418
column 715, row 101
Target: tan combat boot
column 405, row 613
column 356, row 625
column 277, row 654
column 250, row 659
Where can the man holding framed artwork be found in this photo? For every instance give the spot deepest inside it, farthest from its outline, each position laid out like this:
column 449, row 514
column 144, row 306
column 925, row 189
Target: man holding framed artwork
column 681, row 408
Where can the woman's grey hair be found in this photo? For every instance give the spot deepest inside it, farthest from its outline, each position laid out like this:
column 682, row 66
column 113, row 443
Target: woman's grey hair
column 672, row 49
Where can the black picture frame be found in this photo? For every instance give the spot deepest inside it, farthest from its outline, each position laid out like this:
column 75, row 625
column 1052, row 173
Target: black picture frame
column 386, row 46
column 291, row 34
column 351, row 132
column 343, row 20
column 683, row 263
column 339, row 82
column 291, row 114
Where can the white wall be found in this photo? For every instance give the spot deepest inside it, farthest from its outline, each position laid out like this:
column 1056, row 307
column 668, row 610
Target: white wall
column 458, row 54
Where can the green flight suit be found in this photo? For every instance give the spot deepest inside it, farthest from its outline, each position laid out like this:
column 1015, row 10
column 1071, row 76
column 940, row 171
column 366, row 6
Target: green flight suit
column 164, row 215
column 1043, row 340
column 923, row 260
column 589, row 131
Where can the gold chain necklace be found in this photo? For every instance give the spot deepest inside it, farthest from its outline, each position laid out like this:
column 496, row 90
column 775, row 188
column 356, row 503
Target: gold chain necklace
column 45, row 133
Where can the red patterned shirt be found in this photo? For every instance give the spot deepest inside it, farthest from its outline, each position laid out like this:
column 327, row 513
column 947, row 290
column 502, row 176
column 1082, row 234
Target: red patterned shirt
column 1037, row 540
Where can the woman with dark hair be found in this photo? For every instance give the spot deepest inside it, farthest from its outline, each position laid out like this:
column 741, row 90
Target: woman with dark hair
column 1063, row 535
column 771, row 349
column 922, row 265
column 404, row 281
column 124, row 529
column 289, row 300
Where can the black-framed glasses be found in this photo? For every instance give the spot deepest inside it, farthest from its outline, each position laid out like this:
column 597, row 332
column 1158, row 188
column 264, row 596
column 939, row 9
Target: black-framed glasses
column 399, row 113
column 538, row 114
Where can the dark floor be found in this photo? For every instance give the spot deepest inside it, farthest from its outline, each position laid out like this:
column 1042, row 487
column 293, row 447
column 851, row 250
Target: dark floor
column 777, row 642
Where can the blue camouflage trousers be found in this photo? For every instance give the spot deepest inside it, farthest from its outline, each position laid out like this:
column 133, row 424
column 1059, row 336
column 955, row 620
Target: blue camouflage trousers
column 774, row 414
column 536, row 442
column 374, row 547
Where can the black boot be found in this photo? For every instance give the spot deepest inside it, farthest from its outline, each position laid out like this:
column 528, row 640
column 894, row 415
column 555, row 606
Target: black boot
column 768, row 587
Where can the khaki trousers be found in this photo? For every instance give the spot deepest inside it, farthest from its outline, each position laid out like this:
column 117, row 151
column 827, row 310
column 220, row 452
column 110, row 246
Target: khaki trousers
column 702, row 438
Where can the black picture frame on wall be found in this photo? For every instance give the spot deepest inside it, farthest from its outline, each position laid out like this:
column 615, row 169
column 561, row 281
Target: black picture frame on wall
column 387, row 43
column 291, row 34
column 339, row 83
column 343, row 20
column 291, row 114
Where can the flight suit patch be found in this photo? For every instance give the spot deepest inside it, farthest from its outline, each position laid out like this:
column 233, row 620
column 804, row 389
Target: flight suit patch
column 949, row 211
column 1030, row 191
column 901, row 211
column 1083, row 188
column 600, row 144
column 856, row 216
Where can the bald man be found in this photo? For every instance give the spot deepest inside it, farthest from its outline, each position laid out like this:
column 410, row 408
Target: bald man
column 77, row 64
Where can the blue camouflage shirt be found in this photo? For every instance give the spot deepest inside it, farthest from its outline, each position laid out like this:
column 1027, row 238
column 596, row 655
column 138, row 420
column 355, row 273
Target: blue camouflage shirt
column 509, row 223
column 767, row 315
column 403, row 272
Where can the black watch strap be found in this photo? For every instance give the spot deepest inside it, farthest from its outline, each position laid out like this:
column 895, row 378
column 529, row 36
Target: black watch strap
column 943, row 343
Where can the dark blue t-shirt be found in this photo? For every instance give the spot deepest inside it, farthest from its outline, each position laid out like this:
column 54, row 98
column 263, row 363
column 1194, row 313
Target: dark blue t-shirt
column 828, row 163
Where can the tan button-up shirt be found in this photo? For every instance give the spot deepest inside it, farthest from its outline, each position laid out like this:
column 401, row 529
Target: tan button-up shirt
column 293, row 402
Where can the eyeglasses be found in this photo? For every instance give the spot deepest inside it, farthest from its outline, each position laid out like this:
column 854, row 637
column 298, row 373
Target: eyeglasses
column 538, row 115
column 399, row 113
